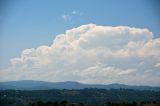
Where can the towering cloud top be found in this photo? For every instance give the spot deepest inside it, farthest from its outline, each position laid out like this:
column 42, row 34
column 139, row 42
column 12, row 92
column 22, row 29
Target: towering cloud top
column 92, row 54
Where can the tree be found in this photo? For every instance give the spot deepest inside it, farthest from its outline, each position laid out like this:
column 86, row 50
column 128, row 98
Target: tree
column 40, row 103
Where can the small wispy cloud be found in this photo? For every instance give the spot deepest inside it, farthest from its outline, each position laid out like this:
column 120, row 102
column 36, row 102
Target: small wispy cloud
column 66, row 17
column 74, row 12
column 69, row 16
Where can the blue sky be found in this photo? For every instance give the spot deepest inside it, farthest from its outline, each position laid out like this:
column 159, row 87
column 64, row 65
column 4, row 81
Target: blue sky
column 30, row 23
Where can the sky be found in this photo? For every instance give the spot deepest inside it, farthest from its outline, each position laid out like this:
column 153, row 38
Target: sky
column 36, row 38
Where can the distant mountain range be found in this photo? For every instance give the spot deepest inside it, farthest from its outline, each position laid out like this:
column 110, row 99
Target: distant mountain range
column 42, row 85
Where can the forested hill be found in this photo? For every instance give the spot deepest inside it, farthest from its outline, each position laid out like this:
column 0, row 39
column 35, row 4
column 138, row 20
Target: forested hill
column 85, row 96
column 42, row 85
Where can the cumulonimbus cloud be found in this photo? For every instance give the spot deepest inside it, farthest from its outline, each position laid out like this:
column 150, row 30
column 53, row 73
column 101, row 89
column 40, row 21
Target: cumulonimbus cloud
column 92, row 54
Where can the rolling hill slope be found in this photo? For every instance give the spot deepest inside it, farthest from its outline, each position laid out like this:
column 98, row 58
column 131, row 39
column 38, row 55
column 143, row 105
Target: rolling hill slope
column 42, row 85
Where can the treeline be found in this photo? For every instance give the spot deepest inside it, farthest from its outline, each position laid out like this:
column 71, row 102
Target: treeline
column 112, row 97
column 65, row 103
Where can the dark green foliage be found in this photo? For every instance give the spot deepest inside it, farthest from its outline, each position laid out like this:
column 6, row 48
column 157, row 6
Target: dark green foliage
column 62, row 103
column 112, row 97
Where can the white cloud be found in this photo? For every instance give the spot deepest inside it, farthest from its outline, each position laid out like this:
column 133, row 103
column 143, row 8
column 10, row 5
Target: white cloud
column 66, row 17
column 157, row 65
column 74, row 12
column 92, row 54
column 69, row 16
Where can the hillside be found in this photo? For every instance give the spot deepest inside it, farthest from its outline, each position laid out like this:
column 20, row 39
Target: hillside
column 42, row 85
column 85, row 96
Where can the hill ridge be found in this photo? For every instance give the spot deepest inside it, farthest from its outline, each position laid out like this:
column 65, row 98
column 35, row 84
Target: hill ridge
column 44, row 85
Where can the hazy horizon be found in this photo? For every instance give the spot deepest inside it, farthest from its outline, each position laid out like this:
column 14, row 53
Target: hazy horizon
column 141, row 85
